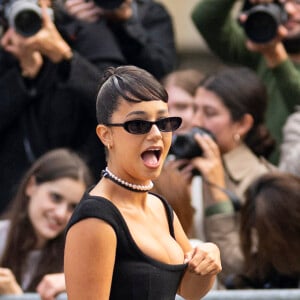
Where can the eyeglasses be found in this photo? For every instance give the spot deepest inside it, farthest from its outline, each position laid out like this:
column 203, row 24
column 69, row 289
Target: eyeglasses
column 169, row 124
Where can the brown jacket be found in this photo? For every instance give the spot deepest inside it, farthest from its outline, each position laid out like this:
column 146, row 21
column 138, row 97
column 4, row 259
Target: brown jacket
column 241, row 168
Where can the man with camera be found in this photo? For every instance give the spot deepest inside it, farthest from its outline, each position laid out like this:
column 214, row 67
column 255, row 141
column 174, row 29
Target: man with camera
column 249, row 39
column 50, row 65
column 142, row 28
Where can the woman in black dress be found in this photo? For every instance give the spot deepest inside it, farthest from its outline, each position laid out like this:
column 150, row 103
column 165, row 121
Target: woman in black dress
column 124, row 242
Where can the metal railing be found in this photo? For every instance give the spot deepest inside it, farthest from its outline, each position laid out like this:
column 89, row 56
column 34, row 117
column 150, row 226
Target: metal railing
column 280, row 294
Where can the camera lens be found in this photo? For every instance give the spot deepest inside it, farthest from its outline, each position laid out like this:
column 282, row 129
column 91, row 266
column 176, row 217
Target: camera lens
column 261, row 27
column 24, row 16
column 27, row 23
column 185, row 145
column 263, row 21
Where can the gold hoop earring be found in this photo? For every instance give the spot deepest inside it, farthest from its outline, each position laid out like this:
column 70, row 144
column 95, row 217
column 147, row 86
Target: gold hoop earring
column 236, row 137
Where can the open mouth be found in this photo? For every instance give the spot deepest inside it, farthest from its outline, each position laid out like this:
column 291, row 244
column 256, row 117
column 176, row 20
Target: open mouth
column 151, row 157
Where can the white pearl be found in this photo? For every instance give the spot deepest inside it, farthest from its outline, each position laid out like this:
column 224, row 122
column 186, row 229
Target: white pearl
column 128, row 184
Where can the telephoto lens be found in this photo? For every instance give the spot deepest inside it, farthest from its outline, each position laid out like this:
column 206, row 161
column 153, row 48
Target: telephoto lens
column 25, row 16
column 263, row 20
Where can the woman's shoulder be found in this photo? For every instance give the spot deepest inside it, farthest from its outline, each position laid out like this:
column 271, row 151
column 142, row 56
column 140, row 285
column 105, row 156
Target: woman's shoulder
column 242, row 162
column 91, row 206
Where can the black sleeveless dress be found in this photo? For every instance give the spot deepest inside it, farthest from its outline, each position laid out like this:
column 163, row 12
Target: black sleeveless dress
column 136, row 276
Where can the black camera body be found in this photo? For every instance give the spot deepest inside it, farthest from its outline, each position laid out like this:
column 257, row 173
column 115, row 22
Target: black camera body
column 25, row 16
column 184, row 146
column 109, row 4
column 263, row 20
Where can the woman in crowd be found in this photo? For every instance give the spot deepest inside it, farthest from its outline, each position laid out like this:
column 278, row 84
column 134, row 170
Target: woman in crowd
column 270, row 226
column 230, row 104
column 32, row 236
column 122, row 241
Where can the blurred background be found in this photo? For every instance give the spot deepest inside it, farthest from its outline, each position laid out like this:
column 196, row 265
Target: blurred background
column 192, row 50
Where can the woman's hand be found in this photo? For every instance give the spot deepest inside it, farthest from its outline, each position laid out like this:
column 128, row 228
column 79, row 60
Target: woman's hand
column 51, row 285
column 210, row 163
column 204, row 259
column 183, row 166
column 8, row 283
column 210, row 166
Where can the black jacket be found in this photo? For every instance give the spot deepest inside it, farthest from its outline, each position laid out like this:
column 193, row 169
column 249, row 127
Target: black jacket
column 147, row 39
column 57, row 109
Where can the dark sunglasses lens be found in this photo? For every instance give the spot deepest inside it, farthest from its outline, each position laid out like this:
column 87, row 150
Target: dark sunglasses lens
column 137, row 126
column 169, row 124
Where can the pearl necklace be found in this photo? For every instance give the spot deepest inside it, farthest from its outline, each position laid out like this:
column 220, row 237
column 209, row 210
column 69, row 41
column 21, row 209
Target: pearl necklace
column 127, row 185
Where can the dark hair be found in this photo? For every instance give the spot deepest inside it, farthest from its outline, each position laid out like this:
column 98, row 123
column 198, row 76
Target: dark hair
column 270, row 223
column 130, row 83
column 55, row 164
column 186, row 79
column 242, row 92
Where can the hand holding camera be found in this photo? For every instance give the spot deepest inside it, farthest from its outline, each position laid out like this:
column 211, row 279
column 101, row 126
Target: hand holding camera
column 263, row 22
column 28, row 40
column 25, row 16
column 201, row 154
column 30, row 61
column 262, row 19
column 48, row 41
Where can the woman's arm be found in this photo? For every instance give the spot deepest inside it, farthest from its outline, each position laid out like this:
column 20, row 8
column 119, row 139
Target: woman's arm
column 89, row 260
column 203, row 265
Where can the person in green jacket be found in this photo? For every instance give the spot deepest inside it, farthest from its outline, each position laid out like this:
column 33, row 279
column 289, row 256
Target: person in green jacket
column 275, row 62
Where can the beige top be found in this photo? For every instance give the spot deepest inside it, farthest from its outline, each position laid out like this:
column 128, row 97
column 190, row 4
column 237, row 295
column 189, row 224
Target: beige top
column 32, row 259
column 241, row 168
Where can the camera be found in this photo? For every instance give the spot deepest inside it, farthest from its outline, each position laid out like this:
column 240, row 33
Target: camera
column 263, row 20
column 109, row 4
column 185, row 145
column 25, row 16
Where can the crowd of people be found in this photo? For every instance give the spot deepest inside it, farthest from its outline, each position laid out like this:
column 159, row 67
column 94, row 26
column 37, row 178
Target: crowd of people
column 114, row 158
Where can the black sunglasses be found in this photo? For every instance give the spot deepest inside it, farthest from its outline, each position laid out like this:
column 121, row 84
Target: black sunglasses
column 142, row 126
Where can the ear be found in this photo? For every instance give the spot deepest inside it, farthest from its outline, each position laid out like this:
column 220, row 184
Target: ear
column 245, row 124
column 31, row 186
column 104, row 134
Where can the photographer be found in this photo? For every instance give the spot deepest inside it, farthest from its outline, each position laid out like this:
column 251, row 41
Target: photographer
column 48, row 86
column 143, row 29
column 277, row 61
column 231, row 156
